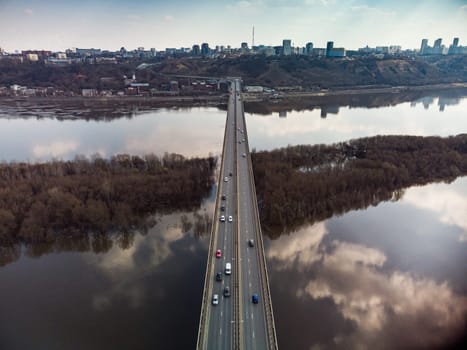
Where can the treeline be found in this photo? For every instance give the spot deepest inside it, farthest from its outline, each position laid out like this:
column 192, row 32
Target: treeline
column 367, row 100
column 49, row 201
column 304, row 184
column 199, row 224
column 272, row 71
column 73, row 77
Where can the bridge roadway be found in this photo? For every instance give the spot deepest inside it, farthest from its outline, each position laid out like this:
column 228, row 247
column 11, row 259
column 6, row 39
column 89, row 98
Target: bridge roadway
column 236, row 322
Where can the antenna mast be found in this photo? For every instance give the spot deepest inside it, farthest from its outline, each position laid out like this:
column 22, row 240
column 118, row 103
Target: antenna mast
column 253, row 38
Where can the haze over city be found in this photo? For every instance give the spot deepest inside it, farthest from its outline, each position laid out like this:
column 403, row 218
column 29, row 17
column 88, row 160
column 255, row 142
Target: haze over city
column 110, row 24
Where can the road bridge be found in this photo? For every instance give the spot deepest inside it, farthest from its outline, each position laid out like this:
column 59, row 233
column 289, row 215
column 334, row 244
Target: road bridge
column 242, row 316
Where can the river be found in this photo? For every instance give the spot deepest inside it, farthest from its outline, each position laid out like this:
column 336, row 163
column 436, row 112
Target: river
column 392, row 276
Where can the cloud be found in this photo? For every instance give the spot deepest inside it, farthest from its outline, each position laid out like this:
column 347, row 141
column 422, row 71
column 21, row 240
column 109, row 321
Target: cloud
column 246, row 8
column 373, row 11
column 55, row 149
column 450, row 206
column 128, row 267
column 303, row 248
column 318, row 2
column 382, row 303
column 168, row 18
column 28, row 12
column 134, row 17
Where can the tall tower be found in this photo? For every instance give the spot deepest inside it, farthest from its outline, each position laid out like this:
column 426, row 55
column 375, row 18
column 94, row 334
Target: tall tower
column 253, row 37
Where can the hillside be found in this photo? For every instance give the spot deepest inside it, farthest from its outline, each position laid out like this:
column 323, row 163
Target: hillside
column 304, row 71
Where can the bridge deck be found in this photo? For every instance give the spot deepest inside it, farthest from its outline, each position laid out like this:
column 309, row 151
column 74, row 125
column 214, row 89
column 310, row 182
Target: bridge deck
column 236, row 322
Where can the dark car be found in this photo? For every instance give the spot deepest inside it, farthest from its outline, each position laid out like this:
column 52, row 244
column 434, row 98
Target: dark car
column 251, row 243
column 222, row 208
column 230, row 174
column 227, row 292
column 219, row 276
column 223, row 197
column 255, row 298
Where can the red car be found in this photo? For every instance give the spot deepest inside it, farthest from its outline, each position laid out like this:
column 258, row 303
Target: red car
column 218, row 253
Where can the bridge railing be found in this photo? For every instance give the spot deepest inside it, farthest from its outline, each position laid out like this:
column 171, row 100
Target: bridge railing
column 237, row 313
column 206, row 303
column 270, row 325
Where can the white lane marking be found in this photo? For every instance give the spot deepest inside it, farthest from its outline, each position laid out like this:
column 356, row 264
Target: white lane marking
column 249, row 284
column 251, row 316
column 222, row 313
column 253, row 334
column 220, row 331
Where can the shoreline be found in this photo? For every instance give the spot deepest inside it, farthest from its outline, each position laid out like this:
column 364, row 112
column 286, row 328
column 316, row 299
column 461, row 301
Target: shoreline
column 362, row 90
column 164, row 101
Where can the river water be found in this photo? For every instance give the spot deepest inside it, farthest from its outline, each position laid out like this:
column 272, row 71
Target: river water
column 393, row 276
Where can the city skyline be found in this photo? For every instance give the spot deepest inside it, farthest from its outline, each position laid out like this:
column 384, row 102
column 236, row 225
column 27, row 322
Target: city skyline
column 111, row 24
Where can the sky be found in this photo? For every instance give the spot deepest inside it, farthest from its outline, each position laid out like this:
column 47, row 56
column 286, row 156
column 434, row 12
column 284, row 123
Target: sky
column 110, row 24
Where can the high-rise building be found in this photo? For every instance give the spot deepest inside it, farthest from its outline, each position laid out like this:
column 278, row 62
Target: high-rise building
column 329, row 47
column 309, row 48
column 455, row 42
column 195, row 51
column 424, row 46
column 286, row 47
column 244, row 47
column 205, row 50
column 437, row 43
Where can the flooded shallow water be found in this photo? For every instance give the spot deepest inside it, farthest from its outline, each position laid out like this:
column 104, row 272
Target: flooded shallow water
column 381, row 278
column 391, row 276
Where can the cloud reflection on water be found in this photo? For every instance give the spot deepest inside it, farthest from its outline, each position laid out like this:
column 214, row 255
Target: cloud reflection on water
column 448, row 204
column 390, row 308
column 128, row 269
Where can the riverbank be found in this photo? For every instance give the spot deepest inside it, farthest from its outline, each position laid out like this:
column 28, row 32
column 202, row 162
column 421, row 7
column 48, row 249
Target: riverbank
column 357, row 90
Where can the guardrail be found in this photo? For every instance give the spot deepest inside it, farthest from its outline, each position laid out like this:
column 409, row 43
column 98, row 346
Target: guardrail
column 205, row 304
column 237, row 329
column 269, row 316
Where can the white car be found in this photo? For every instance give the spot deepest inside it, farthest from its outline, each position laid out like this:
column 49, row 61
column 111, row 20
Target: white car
column 215, row 299
column 243, row 155
column 222, row 218
column 226, row 179
column 230, row 218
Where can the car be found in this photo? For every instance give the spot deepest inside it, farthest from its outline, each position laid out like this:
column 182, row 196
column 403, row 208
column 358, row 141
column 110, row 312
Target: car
column 223, row 197
column 241, row 131
column 243, row 155
column 218, row 253
column 251, row 243
column 222, row 208
column 228, row 268
column 255, row 298
column 219, row 276
column 215, row 299
column 226, row 179
column 230, row 218
column 230, row 174
column 227, row 292
column 243, row 140
column 239, row 141
column 222, row 218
